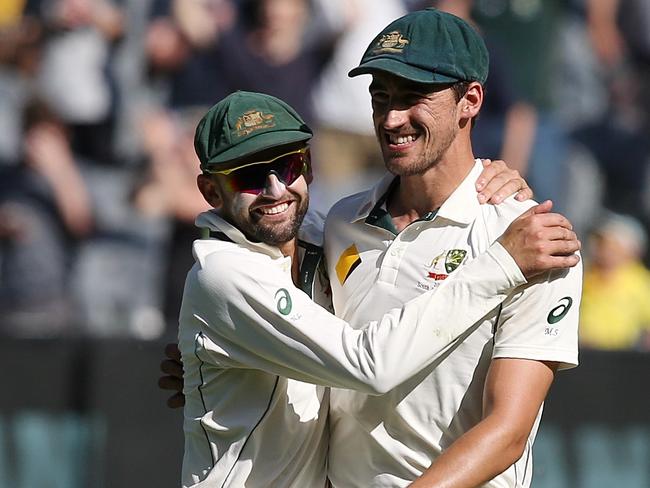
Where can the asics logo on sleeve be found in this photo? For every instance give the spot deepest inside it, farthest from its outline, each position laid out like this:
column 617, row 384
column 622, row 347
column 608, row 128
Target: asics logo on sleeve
column 283, row 301
column 558, row 313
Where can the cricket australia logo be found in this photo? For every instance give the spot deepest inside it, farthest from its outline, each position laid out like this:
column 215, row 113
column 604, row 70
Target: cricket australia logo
column 253, row 120
column 444, row 263
column 393, row 42
column 453, row 259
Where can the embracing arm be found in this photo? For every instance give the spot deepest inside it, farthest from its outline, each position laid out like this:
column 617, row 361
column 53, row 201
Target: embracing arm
column 514, row 392
column 261, row 321
column 311, row 345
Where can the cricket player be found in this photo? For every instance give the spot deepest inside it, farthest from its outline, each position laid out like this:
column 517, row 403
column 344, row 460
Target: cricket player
column 257, row 351
column 472, row 420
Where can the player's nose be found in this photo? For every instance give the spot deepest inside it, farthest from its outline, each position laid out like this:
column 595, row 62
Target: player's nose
column 394, row 118
column 274, row 187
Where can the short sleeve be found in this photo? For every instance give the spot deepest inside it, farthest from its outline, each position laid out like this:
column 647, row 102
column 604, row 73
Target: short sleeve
column 539, row 321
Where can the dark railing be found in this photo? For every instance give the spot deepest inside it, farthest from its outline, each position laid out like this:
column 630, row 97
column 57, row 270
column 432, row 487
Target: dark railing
column 88, row 414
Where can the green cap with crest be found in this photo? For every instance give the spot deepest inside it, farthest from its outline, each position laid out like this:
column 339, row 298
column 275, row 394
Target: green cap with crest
column 427, row 46
column 245, row 123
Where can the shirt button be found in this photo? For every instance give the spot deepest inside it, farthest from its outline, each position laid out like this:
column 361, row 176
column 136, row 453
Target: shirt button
column 398, row 251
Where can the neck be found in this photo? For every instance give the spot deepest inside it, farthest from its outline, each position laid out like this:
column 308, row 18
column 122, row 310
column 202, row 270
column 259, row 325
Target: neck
column 420, row 194
column 290, row 249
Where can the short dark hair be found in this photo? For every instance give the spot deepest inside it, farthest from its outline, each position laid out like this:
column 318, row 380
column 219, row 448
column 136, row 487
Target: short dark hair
column 460, row 89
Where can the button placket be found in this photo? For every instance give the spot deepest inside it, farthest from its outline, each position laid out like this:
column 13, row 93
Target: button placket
column 392, row 261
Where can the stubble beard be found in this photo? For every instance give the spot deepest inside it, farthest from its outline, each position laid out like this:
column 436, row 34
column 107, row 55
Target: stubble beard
column 276, row 234
column 427, row 159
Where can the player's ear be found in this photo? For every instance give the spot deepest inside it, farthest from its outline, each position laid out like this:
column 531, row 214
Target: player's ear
column 210, row 190
column 471, row 102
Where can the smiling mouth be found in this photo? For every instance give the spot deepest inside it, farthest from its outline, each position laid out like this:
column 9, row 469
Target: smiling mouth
column 273, row 209
column 401, row 140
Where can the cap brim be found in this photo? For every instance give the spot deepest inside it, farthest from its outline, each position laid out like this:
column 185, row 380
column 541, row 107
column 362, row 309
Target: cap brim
column 403, row 70
column 268, row 140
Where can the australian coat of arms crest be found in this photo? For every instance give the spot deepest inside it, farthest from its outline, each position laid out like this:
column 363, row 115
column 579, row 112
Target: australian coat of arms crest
column 253, row 120
column 393, row 42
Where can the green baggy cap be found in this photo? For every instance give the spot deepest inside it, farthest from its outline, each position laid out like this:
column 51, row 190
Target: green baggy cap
column 427, row 46
column 244, row 123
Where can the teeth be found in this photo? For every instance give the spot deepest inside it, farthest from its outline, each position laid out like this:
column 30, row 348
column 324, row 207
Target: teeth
column 401, row 139
column 274, row 210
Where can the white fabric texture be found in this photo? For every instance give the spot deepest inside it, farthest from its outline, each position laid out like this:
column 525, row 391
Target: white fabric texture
column 394, row 437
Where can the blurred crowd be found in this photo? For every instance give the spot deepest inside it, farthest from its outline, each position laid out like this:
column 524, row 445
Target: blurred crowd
column 99, row 100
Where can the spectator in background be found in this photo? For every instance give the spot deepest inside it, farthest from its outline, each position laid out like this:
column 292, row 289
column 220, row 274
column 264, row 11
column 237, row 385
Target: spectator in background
column 269, row 50
column 615, row 310
column 169, row 191
column 527, row 32
column 620, row 35
column 44, row 209
column 635, row 27
column 210, row 49
column 618, row 138
column 21, row 36
column 76, row 77
column 181, row 45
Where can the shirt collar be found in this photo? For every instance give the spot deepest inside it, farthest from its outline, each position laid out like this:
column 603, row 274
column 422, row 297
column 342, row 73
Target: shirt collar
column 373, row 200
column 462, row 205
column 213, row 222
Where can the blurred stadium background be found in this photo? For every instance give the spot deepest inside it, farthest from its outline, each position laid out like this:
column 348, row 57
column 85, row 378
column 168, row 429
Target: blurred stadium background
column 98, row 104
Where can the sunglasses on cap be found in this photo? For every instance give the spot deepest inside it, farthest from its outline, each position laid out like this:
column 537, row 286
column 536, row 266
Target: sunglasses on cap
column 251, row 177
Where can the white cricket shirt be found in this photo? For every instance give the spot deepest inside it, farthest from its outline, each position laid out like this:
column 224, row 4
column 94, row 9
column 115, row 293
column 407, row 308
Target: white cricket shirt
column 389, row 440
column 252, row 342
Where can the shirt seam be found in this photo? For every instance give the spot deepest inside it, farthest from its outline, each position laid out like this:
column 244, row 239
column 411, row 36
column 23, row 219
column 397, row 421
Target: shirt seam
column 250, row 434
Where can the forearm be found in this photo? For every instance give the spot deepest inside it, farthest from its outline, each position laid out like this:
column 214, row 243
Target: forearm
column 479, row 455
column 514, row 392
column 271, row 326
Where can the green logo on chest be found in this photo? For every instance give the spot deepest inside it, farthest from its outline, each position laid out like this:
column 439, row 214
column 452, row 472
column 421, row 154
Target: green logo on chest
column 454, row 258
